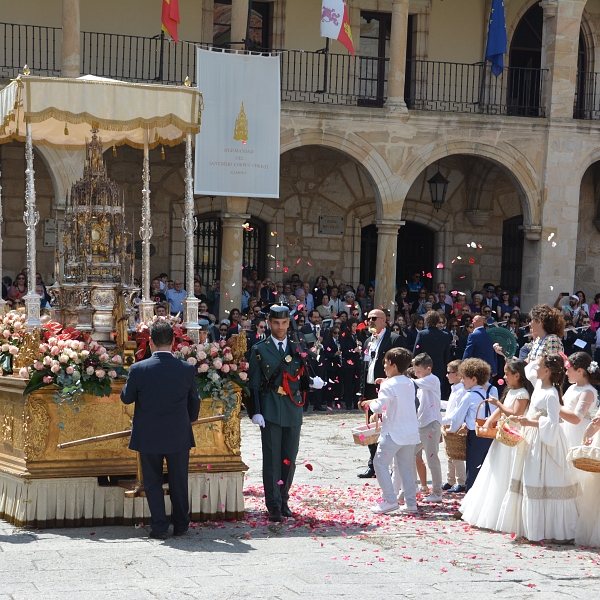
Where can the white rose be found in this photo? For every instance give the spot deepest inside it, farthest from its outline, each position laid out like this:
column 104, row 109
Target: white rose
column 47, row 361
column 6, row 333
column 217, row 363
column 63, row 358
column 192, row 360
column 185, row 350
column 13, row 350
column 100, row 373
column 203, row 368
column 24, row 373
column 85, row 353
column 117, row 359
column 5, row 347
column 201, row 355
column 90, row 370
column 37, row 365
column 69, row 370
column 112, row 374
column 55, row 368
column 243, row 376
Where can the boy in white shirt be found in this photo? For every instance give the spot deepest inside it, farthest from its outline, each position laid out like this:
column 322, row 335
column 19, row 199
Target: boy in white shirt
column 430, row 420
column 399, row 432
column 456, row 475
column 475, row 374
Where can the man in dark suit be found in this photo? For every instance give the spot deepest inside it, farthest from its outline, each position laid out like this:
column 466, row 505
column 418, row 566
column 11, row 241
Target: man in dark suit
column 435, row 343
column 275, row 376
column 166, row 402
column 376, row 345
column 351, row 363
column 480, row 345
column 310, row 328
column 490, row 298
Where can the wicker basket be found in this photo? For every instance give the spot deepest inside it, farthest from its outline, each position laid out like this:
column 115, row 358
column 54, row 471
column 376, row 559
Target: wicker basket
column 585, row 458
column 455, row 444
column 480, row 430
column 506, row 437
column 368, row 434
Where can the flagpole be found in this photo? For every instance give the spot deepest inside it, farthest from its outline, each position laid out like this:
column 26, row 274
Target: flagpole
column 162, row 52
column 325, row 68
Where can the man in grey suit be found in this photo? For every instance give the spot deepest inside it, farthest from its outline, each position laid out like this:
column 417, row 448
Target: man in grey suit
column 166, row 402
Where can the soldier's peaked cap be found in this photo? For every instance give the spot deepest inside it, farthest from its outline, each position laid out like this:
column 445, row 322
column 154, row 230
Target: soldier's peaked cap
column 204, row 324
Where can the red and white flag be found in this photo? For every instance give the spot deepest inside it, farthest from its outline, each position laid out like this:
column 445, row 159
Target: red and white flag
column 335, row 23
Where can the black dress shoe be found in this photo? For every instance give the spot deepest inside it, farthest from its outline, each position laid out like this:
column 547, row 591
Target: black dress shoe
column 446, row 487
column 178, row 533
column 368, row 474
column 285, row 511
column 157, row 536
column 275, row 516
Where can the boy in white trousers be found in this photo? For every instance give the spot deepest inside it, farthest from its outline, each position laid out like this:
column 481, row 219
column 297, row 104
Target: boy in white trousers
column 429, row 417
column 399, row 432
column 457, row 474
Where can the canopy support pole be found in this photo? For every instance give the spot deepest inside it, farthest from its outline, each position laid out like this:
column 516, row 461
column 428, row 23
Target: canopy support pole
column 2, row 301
column 31, row 217
column 189, row 224
column 146, row 305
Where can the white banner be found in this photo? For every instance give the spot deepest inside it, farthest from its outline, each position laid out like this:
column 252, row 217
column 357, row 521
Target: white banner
column 237, row 149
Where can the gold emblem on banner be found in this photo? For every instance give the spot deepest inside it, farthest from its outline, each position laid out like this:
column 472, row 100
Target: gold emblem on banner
column 241, row 126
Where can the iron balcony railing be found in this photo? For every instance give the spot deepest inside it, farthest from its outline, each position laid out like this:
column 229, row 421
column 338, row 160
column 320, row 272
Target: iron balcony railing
column 472, row 88
column 313, row 77
column 37, row 47
column 587, row 97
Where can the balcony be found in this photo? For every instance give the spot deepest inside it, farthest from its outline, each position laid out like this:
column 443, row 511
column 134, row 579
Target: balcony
column 308, row 77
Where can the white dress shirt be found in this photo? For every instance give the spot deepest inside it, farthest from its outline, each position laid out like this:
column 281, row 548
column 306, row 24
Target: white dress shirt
column 430, row 400
column 283, row 343
column 372, row 353
column 396, row 401
column 458, row 391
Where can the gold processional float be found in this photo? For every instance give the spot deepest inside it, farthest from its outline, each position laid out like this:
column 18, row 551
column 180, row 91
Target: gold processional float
column 65, row 465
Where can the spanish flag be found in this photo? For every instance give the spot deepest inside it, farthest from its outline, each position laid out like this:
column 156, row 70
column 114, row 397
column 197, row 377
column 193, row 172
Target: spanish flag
column 170, row 18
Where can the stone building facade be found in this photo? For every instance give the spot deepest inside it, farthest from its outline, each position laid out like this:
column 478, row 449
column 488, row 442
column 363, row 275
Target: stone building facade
column 526, row 184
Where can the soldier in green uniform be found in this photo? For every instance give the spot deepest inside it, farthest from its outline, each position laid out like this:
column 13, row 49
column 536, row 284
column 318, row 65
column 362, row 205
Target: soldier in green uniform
column 276, row 374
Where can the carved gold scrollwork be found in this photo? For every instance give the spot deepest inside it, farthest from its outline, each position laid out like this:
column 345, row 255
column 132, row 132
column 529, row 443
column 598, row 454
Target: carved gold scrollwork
column 30, row 351
column 36, row 422
column 8, row 422
column 231, row 428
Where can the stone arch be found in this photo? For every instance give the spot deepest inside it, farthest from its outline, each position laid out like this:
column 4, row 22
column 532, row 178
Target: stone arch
column 591, row 41
column 519, row 169
column 381, row 177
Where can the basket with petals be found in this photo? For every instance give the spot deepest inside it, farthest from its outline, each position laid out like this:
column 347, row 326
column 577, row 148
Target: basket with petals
column 507, row 435
column 364, row 435
column 455, row 444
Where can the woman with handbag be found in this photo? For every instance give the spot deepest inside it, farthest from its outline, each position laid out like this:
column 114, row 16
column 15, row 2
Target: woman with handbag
column 481, row 506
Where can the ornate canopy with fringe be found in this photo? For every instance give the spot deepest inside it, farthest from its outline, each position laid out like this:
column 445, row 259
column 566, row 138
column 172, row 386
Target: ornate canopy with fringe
column 62, row 111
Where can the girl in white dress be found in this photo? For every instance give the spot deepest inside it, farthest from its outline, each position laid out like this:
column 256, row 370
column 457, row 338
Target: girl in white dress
column 481, row 506
column 580, row 398
column 588, row 525
column 541, row 502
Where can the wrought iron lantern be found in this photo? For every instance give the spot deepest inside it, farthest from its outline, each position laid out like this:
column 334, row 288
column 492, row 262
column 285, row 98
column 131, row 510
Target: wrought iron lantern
column 438, row 186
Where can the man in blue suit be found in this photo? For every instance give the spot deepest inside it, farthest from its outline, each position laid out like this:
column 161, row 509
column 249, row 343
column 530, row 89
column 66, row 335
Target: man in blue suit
column 166, row 402
column 480, row 345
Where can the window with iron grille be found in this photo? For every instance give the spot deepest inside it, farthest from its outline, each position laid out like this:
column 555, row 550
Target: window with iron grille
column 207, row 256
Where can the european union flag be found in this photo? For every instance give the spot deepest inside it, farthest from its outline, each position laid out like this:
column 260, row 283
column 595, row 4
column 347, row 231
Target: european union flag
column 497, row 40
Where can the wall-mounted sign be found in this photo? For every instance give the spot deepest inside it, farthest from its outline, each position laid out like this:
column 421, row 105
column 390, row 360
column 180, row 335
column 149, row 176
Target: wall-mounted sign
column 331, row 225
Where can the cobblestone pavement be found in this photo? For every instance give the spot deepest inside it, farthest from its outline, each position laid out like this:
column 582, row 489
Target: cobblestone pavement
column 334, row 548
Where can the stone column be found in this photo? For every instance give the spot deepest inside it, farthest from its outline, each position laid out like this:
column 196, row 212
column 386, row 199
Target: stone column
column 239, row 19
column 232, row 257
column 387, row 247
column 208, row 15
column 530, row 277
column 398, row 35
column 562, row 21
column 71, row 39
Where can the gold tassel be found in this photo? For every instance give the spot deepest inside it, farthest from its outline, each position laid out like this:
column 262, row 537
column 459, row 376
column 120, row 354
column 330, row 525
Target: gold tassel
column 114, row 151
column 156, row 135
column 162, row 152
column 66, row 131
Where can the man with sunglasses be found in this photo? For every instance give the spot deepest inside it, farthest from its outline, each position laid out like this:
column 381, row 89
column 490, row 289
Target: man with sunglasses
column 376, row 345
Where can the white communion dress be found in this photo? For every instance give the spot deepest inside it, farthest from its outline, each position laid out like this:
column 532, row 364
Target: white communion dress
column 588, row 524
column 576, row 401
column 542, row 499
column 481, row 506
